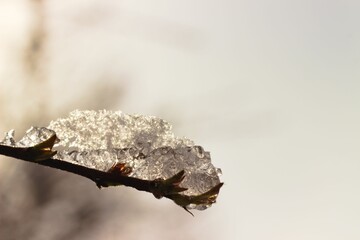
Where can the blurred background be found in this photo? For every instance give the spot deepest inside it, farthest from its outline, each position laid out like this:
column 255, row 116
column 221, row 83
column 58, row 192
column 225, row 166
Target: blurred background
column 270, row 88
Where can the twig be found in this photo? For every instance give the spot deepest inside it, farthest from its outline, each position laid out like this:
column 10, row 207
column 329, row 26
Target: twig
column 169, row 188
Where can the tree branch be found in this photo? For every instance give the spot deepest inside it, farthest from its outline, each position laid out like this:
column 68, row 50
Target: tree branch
column 42, row 154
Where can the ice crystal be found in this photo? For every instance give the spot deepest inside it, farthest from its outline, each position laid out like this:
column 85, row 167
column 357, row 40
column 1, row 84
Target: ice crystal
column 100, row 139
column 33, row 136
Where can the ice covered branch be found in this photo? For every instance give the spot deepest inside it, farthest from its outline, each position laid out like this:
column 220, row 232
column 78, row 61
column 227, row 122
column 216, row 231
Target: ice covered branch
column 112, row 148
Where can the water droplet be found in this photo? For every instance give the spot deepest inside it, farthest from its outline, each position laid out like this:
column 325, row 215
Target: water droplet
column 191, row 206
column 134, row 152
column 199, row 151
column 218, row 172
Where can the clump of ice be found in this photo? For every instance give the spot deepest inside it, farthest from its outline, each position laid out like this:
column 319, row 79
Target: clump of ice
column 32, row 137
column 99, row 139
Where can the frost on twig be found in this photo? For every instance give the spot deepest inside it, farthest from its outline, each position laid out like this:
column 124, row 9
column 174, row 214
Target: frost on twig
column 113, row 148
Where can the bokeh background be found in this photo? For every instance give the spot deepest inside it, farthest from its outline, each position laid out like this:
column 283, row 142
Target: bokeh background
column 271, row 88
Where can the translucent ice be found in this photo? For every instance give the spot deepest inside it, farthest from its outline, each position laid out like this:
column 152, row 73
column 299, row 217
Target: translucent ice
column 100, row 139
column 33, row 136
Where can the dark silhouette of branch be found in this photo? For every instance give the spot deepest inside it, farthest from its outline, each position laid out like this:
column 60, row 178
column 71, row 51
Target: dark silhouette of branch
column 117, row 175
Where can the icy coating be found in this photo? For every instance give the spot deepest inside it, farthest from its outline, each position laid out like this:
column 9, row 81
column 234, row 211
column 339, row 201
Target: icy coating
column 99, row 139
column 33, row 136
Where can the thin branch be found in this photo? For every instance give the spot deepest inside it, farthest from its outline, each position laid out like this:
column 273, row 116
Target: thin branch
column 42, row 154
column 102, row 179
